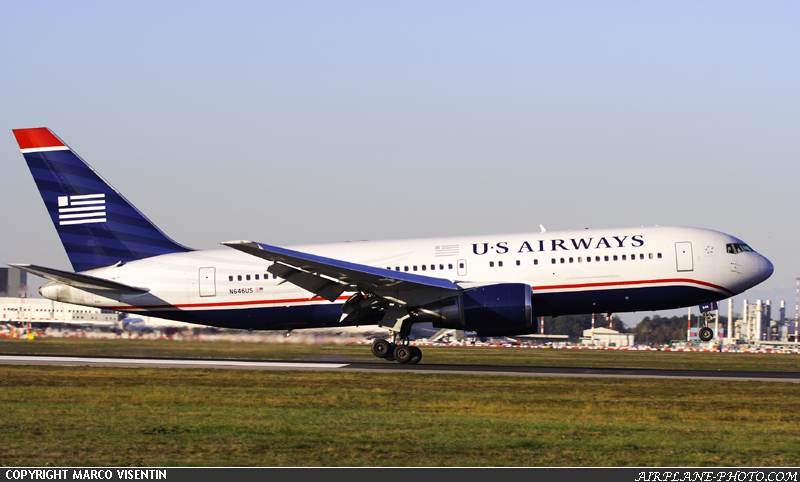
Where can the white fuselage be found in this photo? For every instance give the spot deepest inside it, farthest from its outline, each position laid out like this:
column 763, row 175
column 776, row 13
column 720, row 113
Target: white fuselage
column 570, row 272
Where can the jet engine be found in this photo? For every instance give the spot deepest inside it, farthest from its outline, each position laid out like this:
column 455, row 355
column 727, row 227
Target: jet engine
column 490, row 310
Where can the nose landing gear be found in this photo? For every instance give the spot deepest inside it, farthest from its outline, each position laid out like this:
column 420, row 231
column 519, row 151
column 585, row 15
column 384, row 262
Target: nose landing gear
column 706, row 333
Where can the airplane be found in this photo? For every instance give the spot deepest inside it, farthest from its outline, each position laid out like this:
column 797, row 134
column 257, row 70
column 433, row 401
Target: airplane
column 494, row 285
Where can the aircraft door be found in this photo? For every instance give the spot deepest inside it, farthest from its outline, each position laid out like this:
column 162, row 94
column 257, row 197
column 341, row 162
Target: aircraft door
column 683, row 256
column 462, row 267
column 207, row 282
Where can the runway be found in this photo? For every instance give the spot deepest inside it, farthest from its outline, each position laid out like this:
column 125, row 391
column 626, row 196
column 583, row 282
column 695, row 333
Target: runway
column 391, row 367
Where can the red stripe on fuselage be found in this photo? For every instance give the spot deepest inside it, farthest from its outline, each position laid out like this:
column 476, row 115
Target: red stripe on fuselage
column 342, row 298
column 227, row 303
column 36, row 138
column 625, row 283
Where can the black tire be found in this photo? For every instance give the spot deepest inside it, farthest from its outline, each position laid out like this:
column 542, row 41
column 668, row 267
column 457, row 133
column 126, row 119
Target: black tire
column 381, row 348
column 417, row 356
column 403, row 353
column 706, row 334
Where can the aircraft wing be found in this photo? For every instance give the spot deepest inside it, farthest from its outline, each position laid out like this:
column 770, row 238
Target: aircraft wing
column 329, row 277
column 80, row 281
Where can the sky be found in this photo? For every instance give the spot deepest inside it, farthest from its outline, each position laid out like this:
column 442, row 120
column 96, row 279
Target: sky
column 294, row 122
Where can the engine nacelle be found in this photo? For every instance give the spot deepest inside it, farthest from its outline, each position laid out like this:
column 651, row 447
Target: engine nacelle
column 490, row 310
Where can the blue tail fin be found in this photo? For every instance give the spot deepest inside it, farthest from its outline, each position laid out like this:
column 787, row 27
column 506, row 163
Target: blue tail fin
column 97, row 225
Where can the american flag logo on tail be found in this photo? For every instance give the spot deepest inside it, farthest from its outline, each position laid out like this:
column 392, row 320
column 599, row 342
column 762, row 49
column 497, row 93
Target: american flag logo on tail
column 82, row 209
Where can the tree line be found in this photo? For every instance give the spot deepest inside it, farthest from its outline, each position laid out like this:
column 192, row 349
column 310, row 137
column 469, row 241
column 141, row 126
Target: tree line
column 657, row 330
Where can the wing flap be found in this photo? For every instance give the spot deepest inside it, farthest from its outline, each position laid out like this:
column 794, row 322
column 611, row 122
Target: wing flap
column 80, row 281
column 328, row 289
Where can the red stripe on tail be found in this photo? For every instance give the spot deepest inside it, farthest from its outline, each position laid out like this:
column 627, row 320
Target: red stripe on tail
column 36, row 138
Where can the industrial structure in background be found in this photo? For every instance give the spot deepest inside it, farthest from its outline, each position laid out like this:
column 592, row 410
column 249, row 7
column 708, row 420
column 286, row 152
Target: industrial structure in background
column 757, row 325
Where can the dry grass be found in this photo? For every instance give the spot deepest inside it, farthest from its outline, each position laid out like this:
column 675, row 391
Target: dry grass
column 67, row 416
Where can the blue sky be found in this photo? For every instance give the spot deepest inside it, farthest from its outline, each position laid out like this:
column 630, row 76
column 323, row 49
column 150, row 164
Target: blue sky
column 305, row 121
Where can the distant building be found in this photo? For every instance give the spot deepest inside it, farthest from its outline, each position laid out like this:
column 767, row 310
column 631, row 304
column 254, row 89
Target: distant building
column 14, row 309
column 607, row 338
column 40, row 310
column 13, row 283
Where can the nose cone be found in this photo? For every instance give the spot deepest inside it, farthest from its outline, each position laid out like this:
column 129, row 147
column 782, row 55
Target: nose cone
column 765, row 268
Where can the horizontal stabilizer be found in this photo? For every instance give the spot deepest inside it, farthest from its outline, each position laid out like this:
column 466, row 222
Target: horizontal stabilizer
column 80, row 281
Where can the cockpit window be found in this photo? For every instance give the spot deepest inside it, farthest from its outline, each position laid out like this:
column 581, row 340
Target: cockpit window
column 736, row 248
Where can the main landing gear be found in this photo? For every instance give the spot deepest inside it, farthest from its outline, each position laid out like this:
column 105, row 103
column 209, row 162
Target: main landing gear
column 401, row 352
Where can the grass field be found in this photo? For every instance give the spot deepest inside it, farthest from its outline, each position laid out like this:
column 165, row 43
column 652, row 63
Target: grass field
column 64, row 416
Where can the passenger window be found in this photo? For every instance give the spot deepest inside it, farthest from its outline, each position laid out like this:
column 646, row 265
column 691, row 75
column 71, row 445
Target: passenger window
column 239, row 277
column 441, row 266
column 415, row 267
column 517, row 262
column 605, row 257
column 450, row 266
column 397, row 268
column 659, row 255
column 405, row 268
column 491, row 264
column 424, row 267
column 562, row 260
column 641, row 256
column 597, row 259
column 499, row 264
column 535, row 261
column 247, row 277
column 571, row 260
column 230, row 278
column 256, row 277
column 623, row 258
column 433, row 267
column 461, row 265
column 650, row 255
column 615, row 257
column 588, row 259
column 553, row 260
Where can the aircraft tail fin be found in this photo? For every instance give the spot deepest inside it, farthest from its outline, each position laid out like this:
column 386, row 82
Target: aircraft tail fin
column 97, row 225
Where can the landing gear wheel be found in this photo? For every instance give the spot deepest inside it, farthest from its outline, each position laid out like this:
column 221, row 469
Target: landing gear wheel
column 417, row 356
column 706, row 334
column 381, row 348
column 390, row 356
column 403, row 353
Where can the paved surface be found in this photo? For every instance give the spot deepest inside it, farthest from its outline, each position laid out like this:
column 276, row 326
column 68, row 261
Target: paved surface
column 392, row 367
